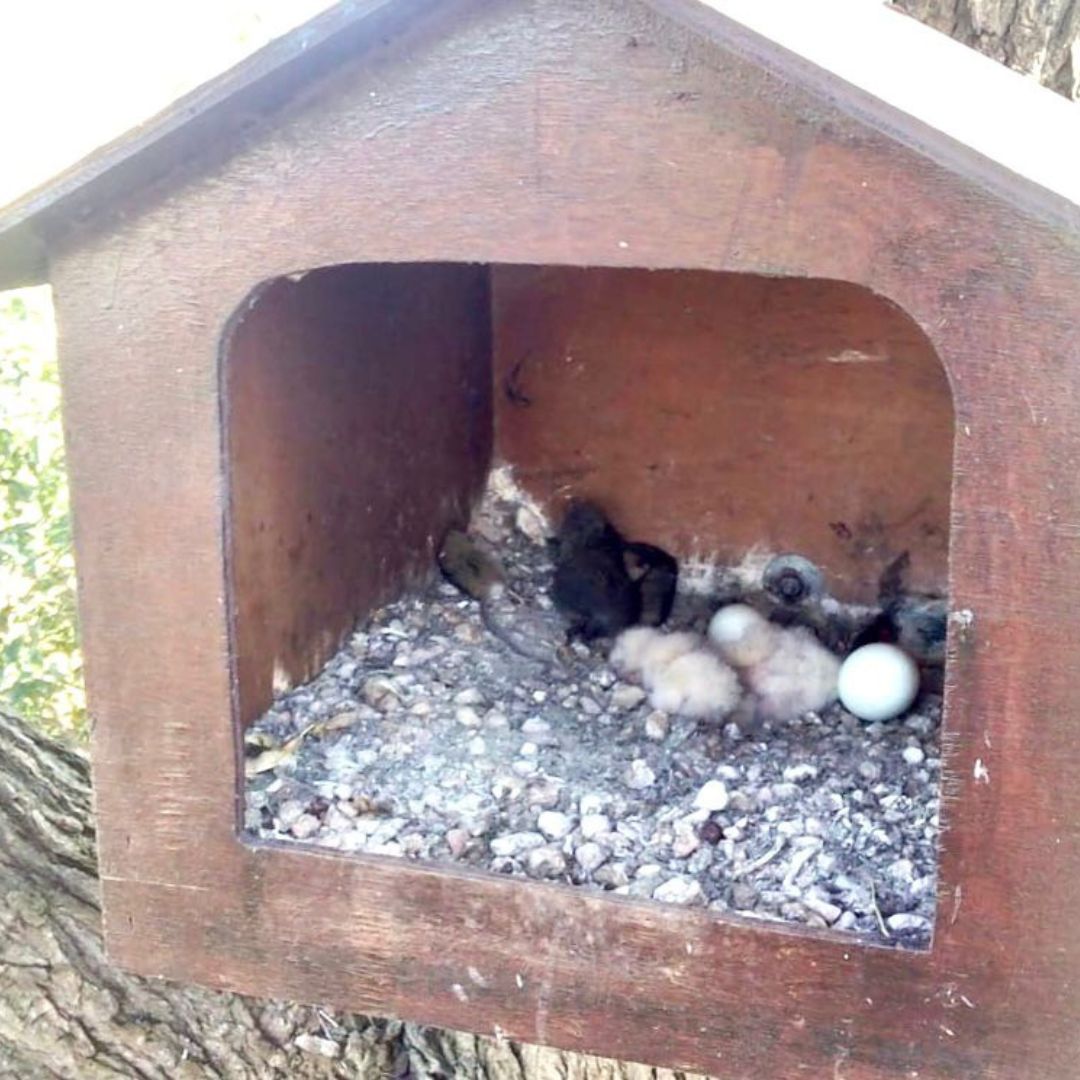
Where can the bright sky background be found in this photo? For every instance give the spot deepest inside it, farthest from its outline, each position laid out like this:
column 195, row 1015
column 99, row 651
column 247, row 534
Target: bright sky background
column 76, row 73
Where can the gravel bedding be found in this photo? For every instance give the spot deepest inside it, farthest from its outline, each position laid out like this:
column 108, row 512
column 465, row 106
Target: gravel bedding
column 434, row 741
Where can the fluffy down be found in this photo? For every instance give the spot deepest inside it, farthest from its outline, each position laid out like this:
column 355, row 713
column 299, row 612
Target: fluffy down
column 641, row 652
column 695, row 684
column 798, row 676
column 742, row 635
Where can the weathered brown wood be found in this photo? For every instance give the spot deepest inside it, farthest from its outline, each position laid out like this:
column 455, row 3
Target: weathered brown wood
column 551, row 132
column 712, row 413
column 66, row 1011
column 358, row 431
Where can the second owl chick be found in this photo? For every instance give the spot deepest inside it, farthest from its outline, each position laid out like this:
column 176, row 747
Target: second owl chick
column 787, row 669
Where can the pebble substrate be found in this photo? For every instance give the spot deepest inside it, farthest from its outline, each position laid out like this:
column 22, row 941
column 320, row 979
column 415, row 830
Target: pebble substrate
column 446, row 746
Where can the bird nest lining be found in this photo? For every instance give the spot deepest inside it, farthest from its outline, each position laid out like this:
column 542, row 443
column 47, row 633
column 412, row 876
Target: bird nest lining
column 427, row 737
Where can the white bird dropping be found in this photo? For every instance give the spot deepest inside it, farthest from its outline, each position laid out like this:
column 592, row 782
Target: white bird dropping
column 878, row 682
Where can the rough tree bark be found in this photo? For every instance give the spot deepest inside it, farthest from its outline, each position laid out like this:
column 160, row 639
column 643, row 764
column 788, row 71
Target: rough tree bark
column 65, row 1012
column 1038, row 37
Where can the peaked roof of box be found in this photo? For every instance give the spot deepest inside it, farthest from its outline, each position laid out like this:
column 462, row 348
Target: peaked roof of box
column 912, row 83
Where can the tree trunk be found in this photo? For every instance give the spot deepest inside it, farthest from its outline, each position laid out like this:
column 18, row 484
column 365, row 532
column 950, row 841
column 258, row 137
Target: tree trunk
column 64, row 1012
column 1038, row 37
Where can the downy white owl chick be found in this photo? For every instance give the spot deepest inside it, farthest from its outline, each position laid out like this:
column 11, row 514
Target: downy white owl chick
column 798, row 676
column 696, row 684
column 787, row 669
column 642, row 651
column 742, row 635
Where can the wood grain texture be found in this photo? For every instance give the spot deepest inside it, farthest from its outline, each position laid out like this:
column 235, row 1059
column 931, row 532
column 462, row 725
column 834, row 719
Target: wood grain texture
column 358, row 431
column 65, row 1010
column 549, row 132
column 713, row 413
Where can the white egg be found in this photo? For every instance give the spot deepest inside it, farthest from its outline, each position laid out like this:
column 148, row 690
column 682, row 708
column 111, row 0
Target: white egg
column 878, row 682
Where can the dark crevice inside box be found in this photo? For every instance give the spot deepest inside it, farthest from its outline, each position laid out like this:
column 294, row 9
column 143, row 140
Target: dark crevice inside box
column 370, row 408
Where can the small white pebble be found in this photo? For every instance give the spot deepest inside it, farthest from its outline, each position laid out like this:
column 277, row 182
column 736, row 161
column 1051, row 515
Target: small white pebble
column 469, row 696
column 289, row 812
column 516, row 843
column 594, row 825
column 648, row 870
column 590, row 856
column 904, row 920
column 914, row 755
column 626, row 697
column 686, row 840
column 528, row 749
column 712, row 797
column 828, row 911
column 467, row 716
column 315, row 1044
column 657, row 726
column 529, row 523
column 545, row 862
column 553, row 824
column 638, row 775
column 477, row 747
column 679, row 890
column 457, row 840
column 797, row 773
column 305, row 826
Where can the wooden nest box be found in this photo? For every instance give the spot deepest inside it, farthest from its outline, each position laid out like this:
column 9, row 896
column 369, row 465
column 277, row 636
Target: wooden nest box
column 746, row 288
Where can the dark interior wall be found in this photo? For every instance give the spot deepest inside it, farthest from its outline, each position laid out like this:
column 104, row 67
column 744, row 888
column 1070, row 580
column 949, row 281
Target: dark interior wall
column 713, row 412
column 358, row 429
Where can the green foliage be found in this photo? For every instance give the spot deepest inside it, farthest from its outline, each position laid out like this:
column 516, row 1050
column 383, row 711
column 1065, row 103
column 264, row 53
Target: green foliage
column 40, row 663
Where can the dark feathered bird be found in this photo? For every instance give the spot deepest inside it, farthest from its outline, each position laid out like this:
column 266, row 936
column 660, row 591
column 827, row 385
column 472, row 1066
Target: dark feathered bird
column 657, row 575
column 917, row 623
column 592, row 588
